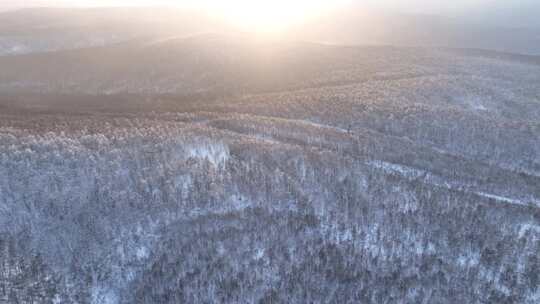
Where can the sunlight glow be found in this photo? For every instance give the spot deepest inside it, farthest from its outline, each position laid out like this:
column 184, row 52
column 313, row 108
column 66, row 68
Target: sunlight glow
column 268, row 15
column 251, row 15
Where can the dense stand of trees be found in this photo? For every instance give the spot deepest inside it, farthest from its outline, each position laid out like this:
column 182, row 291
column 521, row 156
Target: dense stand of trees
column 159, row 210
column 222, row 169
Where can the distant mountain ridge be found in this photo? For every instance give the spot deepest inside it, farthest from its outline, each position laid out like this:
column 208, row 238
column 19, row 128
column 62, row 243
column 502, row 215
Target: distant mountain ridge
column 512, row 14
column 51, row 29
column 35, row 30
column 354, row 25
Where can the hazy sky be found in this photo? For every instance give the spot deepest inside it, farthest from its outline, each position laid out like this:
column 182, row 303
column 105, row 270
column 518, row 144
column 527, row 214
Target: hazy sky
column 505, row 12
column 417, row 6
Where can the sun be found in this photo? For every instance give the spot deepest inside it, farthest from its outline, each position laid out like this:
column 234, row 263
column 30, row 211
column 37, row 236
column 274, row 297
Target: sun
column 267, row 16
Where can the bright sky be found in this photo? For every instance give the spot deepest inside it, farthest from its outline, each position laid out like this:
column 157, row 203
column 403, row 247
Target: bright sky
column 273, row 13
column 262, row 14
column 425, row 6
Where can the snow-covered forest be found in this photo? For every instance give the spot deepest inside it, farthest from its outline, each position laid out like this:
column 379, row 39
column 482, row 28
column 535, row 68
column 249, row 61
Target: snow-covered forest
column 225, row 169
column 217, row 207
column 162, row 209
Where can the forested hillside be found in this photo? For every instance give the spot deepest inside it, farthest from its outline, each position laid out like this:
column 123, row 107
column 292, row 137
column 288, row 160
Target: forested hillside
column 229, row 169
column 170, row 208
